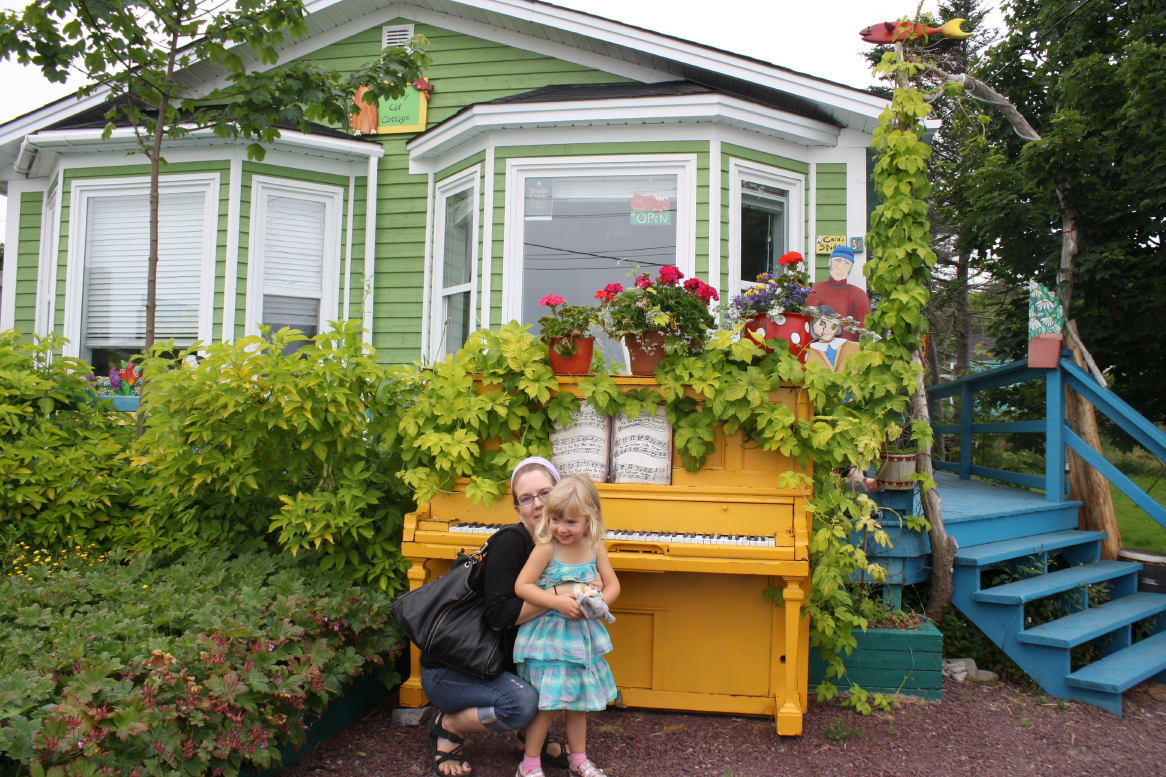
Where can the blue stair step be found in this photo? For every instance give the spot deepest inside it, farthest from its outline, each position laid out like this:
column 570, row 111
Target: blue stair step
column 1080, row 627
column 1124, row 669
column 1062, row 580
column 1006, row 550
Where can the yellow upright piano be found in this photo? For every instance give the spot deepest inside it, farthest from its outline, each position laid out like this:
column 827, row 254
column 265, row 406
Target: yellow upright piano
column 694, row 630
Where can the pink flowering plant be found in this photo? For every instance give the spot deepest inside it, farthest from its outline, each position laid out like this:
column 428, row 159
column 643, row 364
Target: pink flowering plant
column 569, row 322
column 669, row 304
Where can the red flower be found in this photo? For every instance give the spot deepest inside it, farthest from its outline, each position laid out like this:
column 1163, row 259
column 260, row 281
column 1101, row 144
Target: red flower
column 644, row 281
column 793, row 257
column 701, row 290
column 551, row 300
column 608, row 292
column 670, row 274
column 692, row 284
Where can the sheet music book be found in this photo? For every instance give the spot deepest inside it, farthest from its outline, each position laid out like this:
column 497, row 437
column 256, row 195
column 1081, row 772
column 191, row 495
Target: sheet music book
column 641, row 449
column 584, row 445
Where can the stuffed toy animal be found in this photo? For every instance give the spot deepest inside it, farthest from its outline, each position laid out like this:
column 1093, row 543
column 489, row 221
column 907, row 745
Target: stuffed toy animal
column 591, row 603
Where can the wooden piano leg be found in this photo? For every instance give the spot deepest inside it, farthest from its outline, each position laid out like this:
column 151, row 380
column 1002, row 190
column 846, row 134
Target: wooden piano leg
column 411, row 693
column 789, row 713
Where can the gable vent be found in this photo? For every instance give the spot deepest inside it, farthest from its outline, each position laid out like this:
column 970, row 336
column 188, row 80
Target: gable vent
column 397, row 35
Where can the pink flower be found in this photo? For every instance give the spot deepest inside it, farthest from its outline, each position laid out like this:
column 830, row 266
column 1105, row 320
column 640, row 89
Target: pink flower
column 608, row 292
column 644, row 281
column 701, row 290
column 670, row 274
column 551, row 300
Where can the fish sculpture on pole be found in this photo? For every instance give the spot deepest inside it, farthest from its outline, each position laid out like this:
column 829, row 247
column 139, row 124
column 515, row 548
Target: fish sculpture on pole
column 901, row 32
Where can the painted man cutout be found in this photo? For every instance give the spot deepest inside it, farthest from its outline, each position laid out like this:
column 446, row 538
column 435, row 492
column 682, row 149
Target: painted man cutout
column 845, row 299
column 828, row 348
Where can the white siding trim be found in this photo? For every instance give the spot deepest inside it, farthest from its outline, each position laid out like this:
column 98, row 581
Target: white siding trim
column 82, row 190
column 427, row 280
column 681, row 165
column 346, row 310
column 811, row 248
column 714, row 278
column 48, row 257
column 331, row 196
column 368, row 290
column 855, row 159
column 488, row 238
column 231, row 268
column 740, row 171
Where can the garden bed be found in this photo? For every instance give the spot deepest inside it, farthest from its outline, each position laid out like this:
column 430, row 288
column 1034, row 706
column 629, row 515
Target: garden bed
column 896, row 661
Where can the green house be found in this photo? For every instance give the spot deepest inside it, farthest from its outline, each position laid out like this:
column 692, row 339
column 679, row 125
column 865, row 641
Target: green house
column 556, row 152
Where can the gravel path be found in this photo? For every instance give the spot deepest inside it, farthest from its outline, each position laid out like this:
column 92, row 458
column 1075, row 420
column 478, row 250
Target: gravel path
column 986, row 730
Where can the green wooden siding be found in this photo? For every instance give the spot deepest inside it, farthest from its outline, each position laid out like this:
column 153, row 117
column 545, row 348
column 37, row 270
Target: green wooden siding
column 831, row 185
column 728, row 150
column 250, row 170
column 465, row 70
column 26, row 254
column 222, row 167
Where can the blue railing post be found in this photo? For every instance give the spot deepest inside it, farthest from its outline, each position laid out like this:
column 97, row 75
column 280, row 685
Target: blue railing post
column 967, row 406
column 1054, row 435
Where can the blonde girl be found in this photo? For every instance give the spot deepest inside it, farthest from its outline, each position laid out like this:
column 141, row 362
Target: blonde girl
column 559, row 653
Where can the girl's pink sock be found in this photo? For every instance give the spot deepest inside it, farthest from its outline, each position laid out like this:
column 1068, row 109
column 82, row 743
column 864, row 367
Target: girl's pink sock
column 530, row 764
column 577, row 759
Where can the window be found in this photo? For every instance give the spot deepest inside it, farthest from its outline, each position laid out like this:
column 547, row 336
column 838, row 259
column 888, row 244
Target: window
column 581, row 224
column 456, row 254
column 293, row 271
column 765, row 220
column 108, row 265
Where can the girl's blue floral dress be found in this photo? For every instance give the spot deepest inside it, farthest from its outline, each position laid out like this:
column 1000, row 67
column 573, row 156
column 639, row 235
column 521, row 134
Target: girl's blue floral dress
column 563, row 658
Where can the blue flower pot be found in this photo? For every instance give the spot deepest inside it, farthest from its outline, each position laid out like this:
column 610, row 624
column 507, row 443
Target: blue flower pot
column 123, row 404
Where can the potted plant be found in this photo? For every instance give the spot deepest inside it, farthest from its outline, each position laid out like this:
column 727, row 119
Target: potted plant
column 565, row 331
column 658, row 317
column 1045, row 325
column 776, row 307
column 898, row 463
column 122, row 388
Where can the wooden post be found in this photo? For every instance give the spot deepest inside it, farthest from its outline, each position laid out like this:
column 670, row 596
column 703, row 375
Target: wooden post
column 1054, row 436
column 1100, row 515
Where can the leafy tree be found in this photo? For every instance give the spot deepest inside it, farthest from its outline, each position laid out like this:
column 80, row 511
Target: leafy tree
column 1091, row 80
column 134, row 50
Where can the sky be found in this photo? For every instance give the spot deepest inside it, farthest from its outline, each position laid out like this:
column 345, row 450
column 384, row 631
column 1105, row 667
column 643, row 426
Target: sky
column 819, row 38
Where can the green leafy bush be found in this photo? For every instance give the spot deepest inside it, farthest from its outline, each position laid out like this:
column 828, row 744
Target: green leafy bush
column 259, row 441
column 135, row 666
column 64, row 473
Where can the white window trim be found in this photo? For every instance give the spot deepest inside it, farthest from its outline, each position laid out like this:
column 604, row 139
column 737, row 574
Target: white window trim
column 48, row 256
column 741, row 171
column 683, row 166
column 83, row 191
column 470, row 179
column 332, row 196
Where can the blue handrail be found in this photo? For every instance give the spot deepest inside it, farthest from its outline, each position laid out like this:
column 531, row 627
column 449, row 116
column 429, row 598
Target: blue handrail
column 1055, row 428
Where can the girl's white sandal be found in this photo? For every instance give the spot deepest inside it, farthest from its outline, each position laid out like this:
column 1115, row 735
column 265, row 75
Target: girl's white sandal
column 588, row 769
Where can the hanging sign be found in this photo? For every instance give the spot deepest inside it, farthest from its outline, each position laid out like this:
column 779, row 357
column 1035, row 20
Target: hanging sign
column 651, row 210
column 405, row 114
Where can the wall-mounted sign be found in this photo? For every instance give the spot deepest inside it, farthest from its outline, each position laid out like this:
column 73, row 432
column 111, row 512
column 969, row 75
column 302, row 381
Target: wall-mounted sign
column 651, row 210
column 405, row 114
column 824, row 244
column 857, row 244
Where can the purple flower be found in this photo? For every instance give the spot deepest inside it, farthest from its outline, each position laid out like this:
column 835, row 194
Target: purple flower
column 115, row 379
column 279, row 681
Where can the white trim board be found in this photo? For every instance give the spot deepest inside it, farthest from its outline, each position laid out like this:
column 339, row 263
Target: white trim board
column 333, row 198
column 82, row 190
column 12, row 245
column 681, row 165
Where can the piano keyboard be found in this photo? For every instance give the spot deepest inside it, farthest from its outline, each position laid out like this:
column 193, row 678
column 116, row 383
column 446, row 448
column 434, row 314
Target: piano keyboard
column 646, row 536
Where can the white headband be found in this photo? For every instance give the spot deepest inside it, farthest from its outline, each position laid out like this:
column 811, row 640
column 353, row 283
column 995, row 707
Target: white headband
column 550, row 468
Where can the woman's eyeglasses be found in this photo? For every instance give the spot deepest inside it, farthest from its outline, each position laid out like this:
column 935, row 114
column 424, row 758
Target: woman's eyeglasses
column 528, row 500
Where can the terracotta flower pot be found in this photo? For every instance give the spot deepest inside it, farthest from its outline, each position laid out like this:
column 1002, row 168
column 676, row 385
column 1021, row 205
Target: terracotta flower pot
column 580, row 363
column 645, row 351
column 1044, row 352
column 794, row 328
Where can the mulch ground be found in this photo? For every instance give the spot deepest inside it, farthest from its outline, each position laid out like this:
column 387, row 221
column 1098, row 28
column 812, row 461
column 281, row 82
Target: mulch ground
column 994, row 729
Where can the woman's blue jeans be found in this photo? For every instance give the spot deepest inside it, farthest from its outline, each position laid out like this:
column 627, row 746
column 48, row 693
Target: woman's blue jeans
column 505, row 703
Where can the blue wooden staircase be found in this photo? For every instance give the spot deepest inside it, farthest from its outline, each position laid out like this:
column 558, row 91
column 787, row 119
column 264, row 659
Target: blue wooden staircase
column 1021, row 553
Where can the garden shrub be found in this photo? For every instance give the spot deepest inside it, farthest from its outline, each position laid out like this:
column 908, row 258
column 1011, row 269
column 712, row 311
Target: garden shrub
column 64, row 473
column 256, row 442
column 136, row 666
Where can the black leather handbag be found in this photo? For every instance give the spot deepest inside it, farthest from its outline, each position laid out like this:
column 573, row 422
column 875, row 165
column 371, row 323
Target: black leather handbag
column 447, row 620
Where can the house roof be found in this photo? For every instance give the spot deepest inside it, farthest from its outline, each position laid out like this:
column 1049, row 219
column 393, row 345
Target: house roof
column 642, row 55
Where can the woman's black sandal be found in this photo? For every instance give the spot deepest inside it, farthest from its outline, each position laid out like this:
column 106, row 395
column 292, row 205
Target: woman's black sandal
column 560, row 761
column 438, row 757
